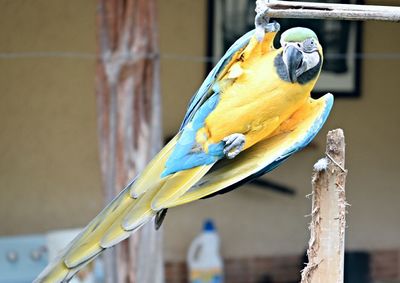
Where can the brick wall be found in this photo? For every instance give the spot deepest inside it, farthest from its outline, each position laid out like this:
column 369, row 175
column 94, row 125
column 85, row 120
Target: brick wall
column 384, row 267
column 282, row 269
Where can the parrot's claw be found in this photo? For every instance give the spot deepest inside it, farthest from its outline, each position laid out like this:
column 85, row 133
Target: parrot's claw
column 234, row 144
column 262, row 23
column 272, row 27
column 264, row 26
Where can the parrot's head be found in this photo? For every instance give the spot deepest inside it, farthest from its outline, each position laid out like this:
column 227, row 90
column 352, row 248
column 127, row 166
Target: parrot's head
column 301, row 56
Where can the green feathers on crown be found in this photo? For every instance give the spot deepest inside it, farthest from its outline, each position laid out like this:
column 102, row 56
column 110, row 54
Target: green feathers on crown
column 298, row 34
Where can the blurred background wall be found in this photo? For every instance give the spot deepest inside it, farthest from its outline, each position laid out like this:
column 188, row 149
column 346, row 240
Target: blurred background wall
column 49, row 165
column 50, row 174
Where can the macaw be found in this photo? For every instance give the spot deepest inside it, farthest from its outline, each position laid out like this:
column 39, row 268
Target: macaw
column 251, row 113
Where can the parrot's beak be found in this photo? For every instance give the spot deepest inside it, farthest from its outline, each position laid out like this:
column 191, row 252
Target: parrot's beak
column 293, row 59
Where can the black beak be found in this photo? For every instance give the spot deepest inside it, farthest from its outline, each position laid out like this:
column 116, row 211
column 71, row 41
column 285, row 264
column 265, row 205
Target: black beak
column 293, row 59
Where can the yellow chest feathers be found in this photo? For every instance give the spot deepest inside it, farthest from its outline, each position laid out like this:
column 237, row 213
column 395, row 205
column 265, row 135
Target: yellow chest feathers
column 253, row 99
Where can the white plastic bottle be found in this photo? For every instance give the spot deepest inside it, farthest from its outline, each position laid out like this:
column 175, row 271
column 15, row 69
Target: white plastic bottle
column 204, row 260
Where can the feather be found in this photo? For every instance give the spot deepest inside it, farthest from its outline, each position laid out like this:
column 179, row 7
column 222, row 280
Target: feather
column 53, row 273
column 141, row 211
column 177, row 185
column 87, row 243
column 98, row 233
column 154, row 169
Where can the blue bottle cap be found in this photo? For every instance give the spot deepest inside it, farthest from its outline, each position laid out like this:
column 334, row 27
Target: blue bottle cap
column 208, row 225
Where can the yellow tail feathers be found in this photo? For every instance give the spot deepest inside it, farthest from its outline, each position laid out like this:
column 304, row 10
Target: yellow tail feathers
column 177, row 185
column 131, row 209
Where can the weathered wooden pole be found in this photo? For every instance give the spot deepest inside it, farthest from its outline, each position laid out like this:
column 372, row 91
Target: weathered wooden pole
column 314, row 10
column 326, row 244
column 128, row 102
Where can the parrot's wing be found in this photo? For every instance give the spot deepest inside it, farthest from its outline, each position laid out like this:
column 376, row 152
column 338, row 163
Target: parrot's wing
column 206, row 89
column 188, row 152
column 292, row 136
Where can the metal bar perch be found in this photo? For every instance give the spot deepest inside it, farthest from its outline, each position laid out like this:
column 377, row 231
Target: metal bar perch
column 312, row 10
column 326, row 245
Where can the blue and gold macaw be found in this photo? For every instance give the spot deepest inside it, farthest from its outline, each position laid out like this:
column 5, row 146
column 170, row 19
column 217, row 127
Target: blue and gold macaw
column 252, row 112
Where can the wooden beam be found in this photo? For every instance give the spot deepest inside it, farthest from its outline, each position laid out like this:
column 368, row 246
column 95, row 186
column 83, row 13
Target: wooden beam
column 312, row 10
column 326, row 245
column 128, row 107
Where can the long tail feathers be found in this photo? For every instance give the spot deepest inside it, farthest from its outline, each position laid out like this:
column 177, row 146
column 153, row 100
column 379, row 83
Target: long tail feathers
column 131, row 209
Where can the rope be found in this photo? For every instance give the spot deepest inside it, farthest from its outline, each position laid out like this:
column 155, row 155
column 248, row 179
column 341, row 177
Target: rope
column 175, row 56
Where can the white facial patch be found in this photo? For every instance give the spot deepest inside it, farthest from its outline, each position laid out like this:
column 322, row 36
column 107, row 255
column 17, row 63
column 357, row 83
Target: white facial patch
column 310, row 59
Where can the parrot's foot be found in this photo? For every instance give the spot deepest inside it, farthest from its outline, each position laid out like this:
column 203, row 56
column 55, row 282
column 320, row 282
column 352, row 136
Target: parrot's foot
column 234, row 144
column 270, row 27
column 263, row 25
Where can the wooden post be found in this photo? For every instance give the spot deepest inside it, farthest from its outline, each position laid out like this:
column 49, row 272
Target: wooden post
column 128, row 102
column 313, row 10
column 326, row 244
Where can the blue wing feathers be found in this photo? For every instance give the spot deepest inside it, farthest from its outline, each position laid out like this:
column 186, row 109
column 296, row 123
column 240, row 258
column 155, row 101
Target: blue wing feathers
column 185, row 155
column 208, row 83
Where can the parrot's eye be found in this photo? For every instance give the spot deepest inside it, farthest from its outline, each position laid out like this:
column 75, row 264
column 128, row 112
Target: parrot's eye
column 309, row 45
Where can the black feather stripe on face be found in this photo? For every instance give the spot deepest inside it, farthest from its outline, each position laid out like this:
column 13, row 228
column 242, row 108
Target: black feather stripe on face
column 304, row 78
